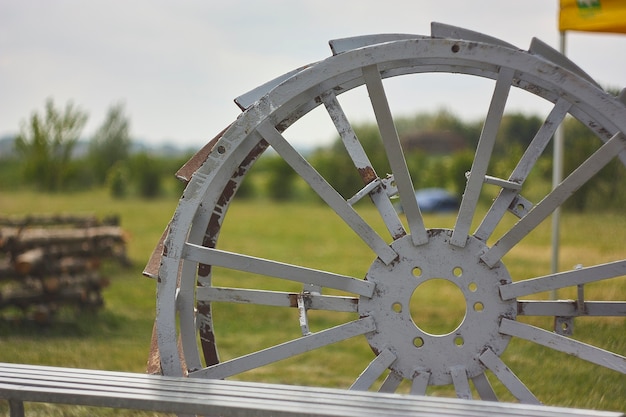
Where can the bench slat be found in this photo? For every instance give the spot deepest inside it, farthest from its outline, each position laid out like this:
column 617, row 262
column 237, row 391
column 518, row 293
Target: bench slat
column 234, row 398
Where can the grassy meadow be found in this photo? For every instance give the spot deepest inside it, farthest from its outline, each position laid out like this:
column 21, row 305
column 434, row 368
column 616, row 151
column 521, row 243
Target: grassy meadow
column 118, row 336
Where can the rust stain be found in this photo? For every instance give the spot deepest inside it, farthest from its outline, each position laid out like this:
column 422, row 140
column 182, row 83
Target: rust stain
column 207, row 337
column 293, row 300
column 152, row 267
column 204, row 270
column 368, row 174
column 252, row 156
column 227, row 193
column 397, row 234
column 215, row 221
column 212, row 230
column 600, row 129
column 154, row 359
column 209, row 241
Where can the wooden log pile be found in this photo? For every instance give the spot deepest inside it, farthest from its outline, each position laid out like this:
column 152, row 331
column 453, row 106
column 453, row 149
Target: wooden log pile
column 51, row 262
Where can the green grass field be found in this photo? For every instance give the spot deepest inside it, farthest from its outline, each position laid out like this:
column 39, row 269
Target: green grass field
column 118, row 337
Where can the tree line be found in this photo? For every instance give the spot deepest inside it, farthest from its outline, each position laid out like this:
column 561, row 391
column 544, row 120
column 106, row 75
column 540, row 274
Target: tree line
column 439, row 149
column 45, row 155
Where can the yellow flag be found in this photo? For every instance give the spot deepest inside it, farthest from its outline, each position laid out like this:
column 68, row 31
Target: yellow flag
column 593, row 15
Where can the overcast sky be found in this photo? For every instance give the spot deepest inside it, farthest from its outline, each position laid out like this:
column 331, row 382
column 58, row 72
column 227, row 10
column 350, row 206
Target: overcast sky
column 177, row 65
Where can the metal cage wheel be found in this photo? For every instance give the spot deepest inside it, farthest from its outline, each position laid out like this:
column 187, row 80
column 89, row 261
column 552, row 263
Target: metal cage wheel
column 410, row 253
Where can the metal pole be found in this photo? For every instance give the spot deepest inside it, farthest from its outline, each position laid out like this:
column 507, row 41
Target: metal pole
column 557, row 177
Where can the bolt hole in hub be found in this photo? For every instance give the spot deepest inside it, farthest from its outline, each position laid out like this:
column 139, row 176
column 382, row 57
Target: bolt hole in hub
column 428, row 287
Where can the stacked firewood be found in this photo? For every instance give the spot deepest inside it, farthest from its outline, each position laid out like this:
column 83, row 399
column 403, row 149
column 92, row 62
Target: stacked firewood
column 51, row 262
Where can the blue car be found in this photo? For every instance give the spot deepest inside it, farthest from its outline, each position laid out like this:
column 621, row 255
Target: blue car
column 435, row 200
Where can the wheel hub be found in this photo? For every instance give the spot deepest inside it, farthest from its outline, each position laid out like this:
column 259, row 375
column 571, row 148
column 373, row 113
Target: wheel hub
column 391, row 307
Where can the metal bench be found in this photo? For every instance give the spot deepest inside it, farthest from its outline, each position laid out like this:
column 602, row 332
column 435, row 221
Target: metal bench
column 123, row 390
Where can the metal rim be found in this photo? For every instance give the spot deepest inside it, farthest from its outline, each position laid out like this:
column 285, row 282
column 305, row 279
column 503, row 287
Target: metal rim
column 185, row 290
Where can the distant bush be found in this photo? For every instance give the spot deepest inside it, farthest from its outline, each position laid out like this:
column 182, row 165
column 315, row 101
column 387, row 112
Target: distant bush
column 117, row 180
column 146, row 174
column 280, row 185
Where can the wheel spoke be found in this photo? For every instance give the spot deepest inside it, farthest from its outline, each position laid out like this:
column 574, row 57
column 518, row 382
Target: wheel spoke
column 363, row 165
column 326, row 192
column 563, row 279
column 461, row 384
column 523, row 168
column 397, row 162
column 485, row 391
column 507, row 377
column 287, row 349
column 391, row 383
column 239, row 262
column 556, row 197
column 564, row 344
column 571, row 308
column 375, row 369
column 482, row 157
column 276, row 298
column 420, row 382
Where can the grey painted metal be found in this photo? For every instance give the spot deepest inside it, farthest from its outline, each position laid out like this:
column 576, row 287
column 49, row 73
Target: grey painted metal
column 564, row 344
column 556, row 198
column 396, row 330
column 278, row 298
column 374, row 186
column 29, row 383
column 442, row 30
column 563, row 279
column 391, row 383
column 460, row 381
column 239, row 262
column 374, row 370
column 188, row 285
column 507, row 196
column 484, row 388
column 571, row 308
column 478, row 171
column 288, row 349
column 248, row 99
column 538, row 47
column 508, row 378
column 391, row 141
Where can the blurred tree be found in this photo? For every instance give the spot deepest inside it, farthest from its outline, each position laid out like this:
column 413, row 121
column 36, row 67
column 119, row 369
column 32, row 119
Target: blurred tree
column 146, row 172
column 110, row 144
column 461, row 162
column 118, row 180
column 46, row 142
column 427, row 170
column 281, row 181
column 606, row 189
column 430, row 167
column 518, row 129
